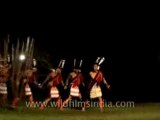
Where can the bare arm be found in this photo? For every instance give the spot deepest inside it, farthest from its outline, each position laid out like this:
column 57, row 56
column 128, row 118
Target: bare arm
column 62, row 83
column 106, row 83
column 47, row 78
column 67, row 81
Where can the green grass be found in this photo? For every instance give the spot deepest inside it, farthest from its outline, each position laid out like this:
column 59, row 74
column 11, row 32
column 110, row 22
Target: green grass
column 143, row 111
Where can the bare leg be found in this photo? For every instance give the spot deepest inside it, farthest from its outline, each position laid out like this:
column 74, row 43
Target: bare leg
column 101, row 104
column 59, row 102
column 86, row 103
column 83, row 103
column 3, row 100
column 15, row 102
column 45, row 103
column 66, row 101
column 31, row 100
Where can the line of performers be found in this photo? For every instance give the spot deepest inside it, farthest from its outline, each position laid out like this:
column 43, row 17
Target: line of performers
column 54, row 79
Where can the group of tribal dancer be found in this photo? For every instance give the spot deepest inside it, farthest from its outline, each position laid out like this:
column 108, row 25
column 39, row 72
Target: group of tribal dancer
column 53, row 79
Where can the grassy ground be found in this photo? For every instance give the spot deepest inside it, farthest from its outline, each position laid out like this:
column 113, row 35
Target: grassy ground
column 145, row 111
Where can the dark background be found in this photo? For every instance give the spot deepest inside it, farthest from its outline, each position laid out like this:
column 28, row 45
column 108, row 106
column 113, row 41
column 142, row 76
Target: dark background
column 125, row 40
column 131, row 66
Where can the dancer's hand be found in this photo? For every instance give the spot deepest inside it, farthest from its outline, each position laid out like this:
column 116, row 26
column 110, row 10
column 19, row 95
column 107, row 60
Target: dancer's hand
column 40, row 85
column 108, row 86
column 65, row 87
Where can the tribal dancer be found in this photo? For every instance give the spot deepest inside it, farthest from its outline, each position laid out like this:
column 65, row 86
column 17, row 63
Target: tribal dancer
column 76, row 79
column 97, row 78
column 27, row 80
column 4, row 76
column 55, row 79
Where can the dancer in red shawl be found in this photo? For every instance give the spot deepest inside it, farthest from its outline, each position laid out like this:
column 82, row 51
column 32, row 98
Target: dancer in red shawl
column 55, row 79
column 97, row 78
column 76, row 79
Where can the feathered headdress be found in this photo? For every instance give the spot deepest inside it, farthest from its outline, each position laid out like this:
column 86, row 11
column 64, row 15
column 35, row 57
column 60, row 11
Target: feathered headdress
column 77, row 64
column 99, row 60
column 61, row 63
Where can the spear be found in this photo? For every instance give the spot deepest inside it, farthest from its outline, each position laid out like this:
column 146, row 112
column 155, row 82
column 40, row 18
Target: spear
column 6, row 42
column 12, row 61
column 27, row 45
column 13, row 70
column 26, row 53
column 31, row 51
column 15, row 75
column 12, row 54
column 15, row 55
column 19, row 69
column 22, row 50
column 29, row 54
column 31, row 48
